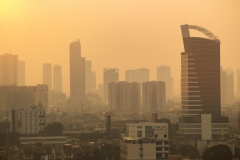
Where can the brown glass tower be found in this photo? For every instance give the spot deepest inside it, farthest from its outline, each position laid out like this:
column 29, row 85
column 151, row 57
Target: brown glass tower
column 200, row 73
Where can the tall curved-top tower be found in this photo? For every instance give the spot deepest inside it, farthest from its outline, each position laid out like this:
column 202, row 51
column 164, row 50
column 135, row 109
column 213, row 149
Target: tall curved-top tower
column 200, row 73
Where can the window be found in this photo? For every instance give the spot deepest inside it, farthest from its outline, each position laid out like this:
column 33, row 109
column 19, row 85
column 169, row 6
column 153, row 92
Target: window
column 139, row 126
column 139, row 133
column 165, row 135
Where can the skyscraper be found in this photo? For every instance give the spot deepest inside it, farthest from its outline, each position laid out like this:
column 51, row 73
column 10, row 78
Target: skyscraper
column 77, row 73
column 109, row 75
column 138, row 75
column 154, row 95
column 21, row 73
column 228, row 86
column 88, row 76
column 8, row 69
column 164, row 74
column 124, row 95
column 57, row 78
column 200, row 86
column 47, row 75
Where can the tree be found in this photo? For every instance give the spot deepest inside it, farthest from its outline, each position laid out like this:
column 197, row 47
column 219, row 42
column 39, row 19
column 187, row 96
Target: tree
column 186, row 150
column 217, row 152
column 54, row 129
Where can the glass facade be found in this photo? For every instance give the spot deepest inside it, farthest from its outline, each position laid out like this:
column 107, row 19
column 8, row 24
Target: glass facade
column 200, row 75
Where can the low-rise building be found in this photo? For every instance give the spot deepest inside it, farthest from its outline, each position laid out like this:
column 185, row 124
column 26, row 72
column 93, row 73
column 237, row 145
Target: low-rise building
column 43, row 140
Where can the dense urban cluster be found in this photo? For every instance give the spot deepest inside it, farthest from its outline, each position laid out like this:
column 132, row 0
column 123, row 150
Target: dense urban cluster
column 135, row 119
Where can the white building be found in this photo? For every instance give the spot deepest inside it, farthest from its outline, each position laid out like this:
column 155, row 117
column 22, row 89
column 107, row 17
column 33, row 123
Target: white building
column 28, row 121
column 146, row 141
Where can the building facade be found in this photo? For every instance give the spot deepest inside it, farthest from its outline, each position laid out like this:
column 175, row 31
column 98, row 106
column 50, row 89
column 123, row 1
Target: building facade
column 138, row 75
column 57, row 78
column 77, row 73
column 109, row 75
column 164, row 74
column 154, row 96
column 8, row 69
column 124, row 95
column 29, row 120
column 21, row 73
column 47, row 75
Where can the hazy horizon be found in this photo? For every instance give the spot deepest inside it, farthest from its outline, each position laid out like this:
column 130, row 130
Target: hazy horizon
column 114, row 34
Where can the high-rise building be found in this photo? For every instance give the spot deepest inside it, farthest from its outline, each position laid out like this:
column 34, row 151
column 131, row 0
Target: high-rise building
column 109, row 75
column 124, row 95
column 17, row 97
column 93, row 84
column 88, row 76
column 47, row 75
column 154, row 96
column 164, row 74
column 77, row 73
column 57, row 78
column 200, row 86
column 138, row 75
column 21, row 73
column 28, row 120
column 238, row 84
column 8, row 69
column 227, row 86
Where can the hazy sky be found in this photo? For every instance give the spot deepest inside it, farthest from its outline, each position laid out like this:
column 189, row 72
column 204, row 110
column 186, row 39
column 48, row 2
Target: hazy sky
column 127, row 34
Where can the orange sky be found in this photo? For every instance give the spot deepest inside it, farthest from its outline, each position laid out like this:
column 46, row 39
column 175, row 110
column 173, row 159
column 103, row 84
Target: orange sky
column 114, row 33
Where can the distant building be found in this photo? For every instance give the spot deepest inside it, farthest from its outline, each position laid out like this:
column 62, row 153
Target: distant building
column 57, row 78
column 43, row 139
column 21, row 73
column 28, row 121
column 77, row 73
column 164, row 74
column 109, row 75
column 47, row 75
column 88, row 76
column 108, row 126
column 238, row 83
column 124, row 95
column 138, row 75
column 227, row 86
column 56, row 96
column 16, row 97
column 93, row 80
column 154, row 96
column 8, row 69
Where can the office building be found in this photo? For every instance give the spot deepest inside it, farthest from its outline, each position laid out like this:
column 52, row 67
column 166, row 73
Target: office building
column 88, row 76
column 28, row 120
column 154, row 96
column 21, row 73
column 47, row 75
column 124, row 95
column 77, row 73
column 223, row 88
column 8, row 69
column 164, row 74
column 93, row 81
column 17, row 97
column 57, row 78
column 229, row 86
column 146, row 141
column 109, row 75
column 200, row 86
column 138, row 75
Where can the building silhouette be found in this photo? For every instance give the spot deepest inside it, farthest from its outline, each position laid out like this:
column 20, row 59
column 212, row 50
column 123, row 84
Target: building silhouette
column 47, row 75
column 77, row 73
column 109, row 75
column 138, row 75
column 8, row 69
column 200, row 86
column 124, row 95
column 57, row 78
column 21, row 73
column 227, row 86
column 164, row 74
column 154, row 96
column 238, row 83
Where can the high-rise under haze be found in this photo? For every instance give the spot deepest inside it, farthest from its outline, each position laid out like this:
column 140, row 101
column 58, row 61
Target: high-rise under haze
column 77, row 73
column 47, row 75
column 238, row 84
column 109, row 75
column 138, row 75
column 200, row 86
column 164, row 74
column 21, row 73
column 57, row 78
column 8, row 69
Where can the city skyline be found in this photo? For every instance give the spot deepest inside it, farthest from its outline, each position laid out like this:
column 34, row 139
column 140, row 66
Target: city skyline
column 112, row 38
